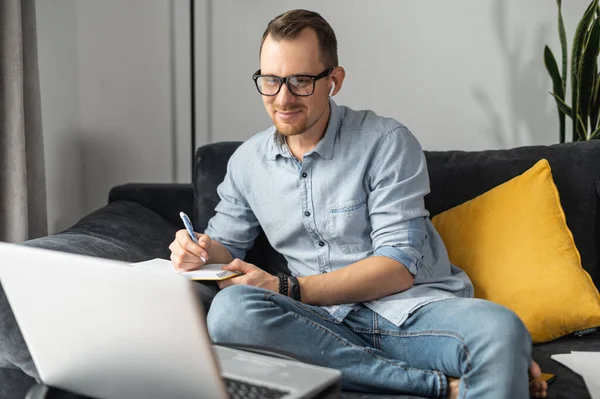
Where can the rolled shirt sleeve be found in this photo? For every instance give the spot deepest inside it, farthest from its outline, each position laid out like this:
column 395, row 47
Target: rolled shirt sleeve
column 399, row 181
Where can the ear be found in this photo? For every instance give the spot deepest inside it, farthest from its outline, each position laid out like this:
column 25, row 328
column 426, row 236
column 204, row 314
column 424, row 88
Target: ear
column 337, row 78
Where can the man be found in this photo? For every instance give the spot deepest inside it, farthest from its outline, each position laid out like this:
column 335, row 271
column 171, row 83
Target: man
column 340, row 194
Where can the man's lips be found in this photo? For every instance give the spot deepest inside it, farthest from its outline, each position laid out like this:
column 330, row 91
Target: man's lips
column 288, row 114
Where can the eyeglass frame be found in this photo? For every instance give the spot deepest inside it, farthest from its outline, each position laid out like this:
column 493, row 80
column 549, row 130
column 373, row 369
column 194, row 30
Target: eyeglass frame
column 285, row 81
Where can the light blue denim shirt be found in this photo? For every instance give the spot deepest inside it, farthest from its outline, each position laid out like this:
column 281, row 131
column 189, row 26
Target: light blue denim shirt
column 360, row 192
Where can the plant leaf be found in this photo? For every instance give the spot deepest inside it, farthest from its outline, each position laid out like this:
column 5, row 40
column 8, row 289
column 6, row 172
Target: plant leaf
column 582, row 131
column 563, row 45
column 557, row 85
column 552, row 68
column 562, row 106
column 595, row 106
column 595, row 135
column 587, row 70
column 579, row 39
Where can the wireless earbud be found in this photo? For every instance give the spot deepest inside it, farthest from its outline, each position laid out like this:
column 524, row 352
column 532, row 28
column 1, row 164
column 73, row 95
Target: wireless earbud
column 332, row 88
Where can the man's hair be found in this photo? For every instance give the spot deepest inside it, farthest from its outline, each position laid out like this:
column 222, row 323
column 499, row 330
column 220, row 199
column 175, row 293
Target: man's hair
column 290, row 24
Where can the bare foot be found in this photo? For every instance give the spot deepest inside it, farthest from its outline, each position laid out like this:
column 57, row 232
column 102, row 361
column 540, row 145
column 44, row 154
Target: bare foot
column 537, row 387
column 453, row 387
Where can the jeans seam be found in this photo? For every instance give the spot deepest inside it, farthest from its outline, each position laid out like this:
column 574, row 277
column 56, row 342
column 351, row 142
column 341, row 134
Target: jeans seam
column 468, row 353
column 447, row 333
column 332, row 320
column 442, row 391
column 376, row 337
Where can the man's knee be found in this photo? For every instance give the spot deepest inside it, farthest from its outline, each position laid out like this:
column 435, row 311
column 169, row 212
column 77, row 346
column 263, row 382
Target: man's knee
column 500, row 326
column 233, row 315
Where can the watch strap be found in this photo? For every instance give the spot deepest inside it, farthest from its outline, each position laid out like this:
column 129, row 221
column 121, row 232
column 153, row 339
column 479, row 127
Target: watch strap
column 295, row 291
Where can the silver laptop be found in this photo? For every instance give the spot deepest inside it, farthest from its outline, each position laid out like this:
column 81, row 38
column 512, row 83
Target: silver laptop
column 103, row 329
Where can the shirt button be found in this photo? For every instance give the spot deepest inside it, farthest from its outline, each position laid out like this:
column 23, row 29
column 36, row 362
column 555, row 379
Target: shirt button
column 321, row 244
column 304, row 174
column 307, row 213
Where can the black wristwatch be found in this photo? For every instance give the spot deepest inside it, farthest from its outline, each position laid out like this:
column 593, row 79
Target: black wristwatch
column 295, row 290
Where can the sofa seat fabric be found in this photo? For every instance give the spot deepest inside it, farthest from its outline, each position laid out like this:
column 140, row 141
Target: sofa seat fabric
column 121, row 230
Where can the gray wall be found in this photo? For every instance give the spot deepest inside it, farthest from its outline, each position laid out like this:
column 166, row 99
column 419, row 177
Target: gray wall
column 116, row 98
column 461, row 74
column 59, row 84
column 464, row 74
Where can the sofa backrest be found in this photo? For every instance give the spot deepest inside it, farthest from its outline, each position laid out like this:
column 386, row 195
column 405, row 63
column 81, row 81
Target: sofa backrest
column 455, row 176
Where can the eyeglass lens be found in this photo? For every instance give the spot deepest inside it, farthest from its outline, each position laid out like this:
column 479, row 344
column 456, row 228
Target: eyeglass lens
column 299, row 85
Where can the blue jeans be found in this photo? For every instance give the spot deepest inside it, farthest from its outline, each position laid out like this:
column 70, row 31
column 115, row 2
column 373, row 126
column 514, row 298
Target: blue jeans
column 483, row 343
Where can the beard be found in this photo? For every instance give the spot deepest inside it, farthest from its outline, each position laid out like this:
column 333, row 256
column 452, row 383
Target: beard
column 291, row 129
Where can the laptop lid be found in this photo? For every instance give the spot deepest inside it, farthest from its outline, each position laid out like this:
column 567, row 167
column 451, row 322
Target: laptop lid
column 101, row 328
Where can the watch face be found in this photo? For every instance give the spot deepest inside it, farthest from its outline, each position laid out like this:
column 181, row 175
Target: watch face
column 295, row 288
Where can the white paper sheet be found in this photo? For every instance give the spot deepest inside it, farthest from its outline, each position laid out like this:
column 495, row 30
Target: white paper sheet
column 208, row 272
column 586, row 364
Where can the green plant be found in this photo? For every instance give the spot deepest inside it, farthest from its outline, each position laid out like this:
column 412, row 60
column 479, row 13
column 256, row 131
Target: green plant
column 585, row 79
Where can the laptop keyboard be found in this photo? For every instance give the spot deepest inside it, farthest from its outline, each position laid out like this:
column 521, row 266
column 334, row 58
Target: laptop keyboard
column 243, row 390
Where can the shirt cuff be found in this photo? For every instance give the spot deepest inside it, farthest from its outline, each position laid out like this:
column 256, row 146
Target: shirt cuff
column 409, row 257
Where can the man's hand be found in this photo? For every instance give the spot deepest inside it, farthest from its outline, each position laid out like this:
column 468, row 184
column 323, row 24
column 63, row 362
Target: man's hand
column 538, row 388
column 252, row 275
column 186, row 255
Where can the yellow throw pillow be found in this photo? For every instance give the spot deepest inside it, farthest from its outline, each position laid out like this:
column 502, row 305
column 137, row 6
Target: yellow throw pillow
column 514, row 244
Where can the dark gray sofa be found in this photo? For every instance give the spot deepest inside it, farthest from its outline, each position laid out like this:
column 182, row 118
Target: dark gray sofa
column 140, row 221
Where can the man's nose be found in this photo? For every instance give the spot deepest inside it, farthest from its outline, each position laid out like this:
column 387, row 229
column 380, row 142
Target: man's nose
column 285, row 96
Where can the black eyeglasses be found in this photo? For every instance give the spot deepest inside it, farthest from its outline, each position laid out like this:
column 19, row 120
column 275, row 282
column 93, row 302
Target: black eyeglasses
column 299, row 85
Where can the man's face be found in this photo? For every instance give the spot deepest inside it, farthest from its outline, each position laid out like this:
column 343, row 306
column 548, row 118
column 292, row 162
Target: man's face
column 292, row 114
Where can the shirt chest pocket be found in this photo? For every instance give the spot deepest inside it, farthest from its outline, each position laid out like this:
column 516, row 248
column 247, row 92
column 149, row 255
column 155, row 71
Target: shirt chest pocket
column 349, row 225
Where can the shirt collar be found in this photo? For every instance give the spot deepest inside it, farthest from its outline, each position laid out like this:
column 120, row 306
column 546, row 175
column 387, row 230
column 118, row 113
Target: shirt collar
column 324, row 147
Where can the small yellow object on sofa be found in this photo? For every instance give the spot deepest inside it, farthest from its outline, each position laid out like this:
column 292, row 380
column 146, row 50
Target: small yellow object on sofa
column 514, row 244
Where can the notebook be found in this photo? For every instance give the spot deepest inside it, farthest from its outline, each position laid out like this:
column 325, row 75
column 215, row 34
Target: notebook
column 207, row 272
column 100, row 328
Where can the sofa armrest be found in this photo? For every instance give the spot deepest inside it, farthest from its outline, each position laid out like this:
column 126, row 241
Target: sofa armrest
column 166, row 199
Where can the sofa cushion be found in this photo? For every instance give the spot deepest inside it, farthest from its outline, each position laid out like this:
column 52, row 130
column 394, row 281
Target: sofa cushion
column 458, row 176
column 121, row 230
column 514, row 244
column 14, row 383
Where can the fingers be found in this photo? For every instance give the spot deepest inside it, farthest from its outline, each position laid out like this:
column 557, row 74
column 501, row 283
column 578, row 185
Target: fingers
column 185, row 241
column 186, row 265
column 186, row 255
column 203, row 240
column 226, row 283
column 538, row 389
column 238, row 280
column 534, row 370
column 240, row 265
column 236, row 265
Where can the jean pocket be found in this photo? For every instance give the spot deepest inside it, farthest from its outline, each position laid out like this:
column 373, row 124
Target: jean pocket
column 349, row 226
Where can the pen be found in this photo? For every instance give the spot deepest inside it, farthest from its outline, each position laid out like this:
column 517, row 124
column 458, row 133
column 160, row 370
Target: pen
column 190, row 229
